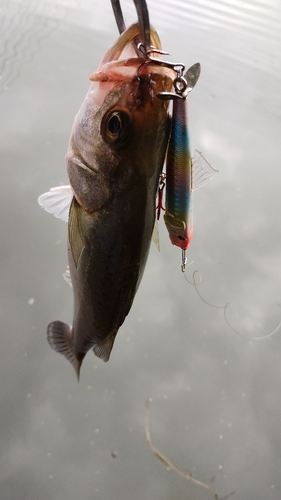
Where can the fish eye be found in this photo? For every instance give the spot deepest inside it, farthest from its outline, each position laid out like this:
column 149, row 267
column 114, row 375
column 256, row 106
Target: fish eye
column 116, row 127
column 114, row 124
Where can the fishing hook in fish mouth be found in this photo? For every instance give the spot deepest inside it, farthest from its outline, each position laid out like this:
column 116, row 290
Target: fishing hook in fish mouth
column 143, row 20
column 179, row 82
column 144, row 49
column 183, row 82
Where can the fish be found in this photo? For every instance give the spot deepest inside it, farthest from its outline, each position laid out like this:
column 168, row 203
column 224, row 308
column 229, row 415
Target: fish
column 114, row 160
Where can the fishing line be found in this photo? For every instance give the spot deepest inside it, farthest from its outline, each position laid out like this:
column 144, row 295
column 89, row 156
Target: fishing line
column 196, row 288
column 250, row 337
column 245, row 335
column 186, row 475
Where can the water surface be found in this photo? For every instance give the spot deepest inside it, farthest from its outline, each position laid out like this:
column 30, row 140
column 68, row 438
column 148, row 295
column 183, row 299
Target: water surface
column 216, row 407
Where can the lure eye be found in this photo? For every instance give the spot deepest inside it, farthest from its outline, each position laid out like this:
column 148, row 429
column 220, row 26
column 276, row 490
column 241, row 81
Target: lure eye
column 116, row 127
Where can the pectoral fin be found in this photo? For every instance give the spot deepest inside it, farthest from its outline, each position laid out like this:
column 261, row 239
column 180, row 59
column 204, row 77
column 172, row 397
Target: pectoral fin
column 75, row 235
column 57, row 201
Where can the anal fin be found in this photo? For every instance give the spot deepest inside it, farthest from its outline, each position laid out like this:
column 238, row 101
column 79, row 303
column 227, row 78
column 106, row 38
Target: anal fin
column 103, row 350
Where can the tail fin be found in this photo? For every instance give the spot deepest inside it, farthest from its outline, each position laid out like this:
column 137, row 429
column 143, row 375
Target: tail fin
column 59, row 337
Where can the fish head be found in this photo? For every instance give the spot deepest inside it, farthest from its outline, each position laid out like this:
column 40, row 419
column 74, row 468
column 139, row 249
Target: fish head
column 122, row 129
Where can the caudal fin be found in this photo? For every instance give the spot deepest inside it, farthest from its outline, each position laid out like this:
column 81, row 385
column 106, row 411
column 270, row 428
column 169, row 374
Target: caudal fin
column 59, row 337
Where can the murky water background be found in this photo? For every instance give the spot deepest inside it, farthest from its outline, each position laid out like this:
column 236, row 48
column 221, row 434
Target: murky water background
column 216, row 395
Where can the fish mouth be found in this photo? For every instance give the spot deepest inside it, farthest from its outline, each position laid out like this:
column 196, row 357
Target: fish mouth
column 127, row 39
column 120, row 63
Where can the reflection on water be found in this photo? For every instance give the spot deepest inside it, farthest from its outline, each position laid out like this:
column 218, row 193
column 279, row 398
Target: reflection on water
column 24, row 27
column 216, row 410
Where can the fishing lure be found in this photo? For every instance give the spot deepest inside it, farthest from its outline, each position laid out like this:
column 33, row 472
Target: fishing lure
column 184, row 173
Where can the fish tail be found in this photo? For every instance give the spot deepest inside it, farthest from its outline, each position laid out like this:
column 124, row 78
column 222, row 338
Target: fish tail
column 59, row 337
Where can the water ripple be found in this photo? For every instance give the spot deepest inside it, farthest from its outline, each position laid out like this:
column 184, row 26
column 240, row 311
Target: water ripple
column 23, row 26
column 258, row 18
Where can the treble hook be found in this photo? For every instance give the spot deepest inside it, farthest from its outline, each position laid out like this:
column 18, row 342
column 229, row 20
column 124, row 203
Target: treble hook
column 143, row 20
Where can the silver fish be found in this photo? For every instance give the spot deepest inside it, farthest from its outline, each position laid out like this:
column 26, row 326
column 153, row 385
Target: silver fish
column 115, row 156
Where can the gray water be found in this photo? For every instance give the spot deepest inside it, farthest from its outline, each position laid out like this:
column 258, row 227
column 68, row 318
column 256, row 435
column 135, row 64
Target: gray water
column 216, row 394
